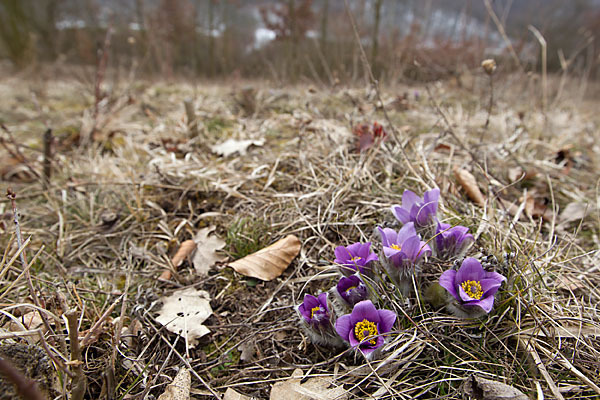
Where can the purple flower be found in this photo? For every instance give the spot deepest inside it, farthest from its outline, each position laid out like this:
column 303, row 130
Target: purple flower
column 352, row 289
column 365, row 327
column 451, row 241
column 355, row 257
column 421, row 211
column 471, row 285
column 314, row 310
column 404, row 248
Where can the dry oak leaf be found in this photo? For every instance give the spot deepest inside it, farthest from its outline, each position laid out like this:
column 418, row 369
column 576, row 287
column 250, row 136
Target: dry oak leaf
column 485, row 389
column 185, row 249
column 184, row 312
column 231, row 394
column 206, row 250
column 469, row 183
column 179, row 389
column 317, row 388
column 270, row 262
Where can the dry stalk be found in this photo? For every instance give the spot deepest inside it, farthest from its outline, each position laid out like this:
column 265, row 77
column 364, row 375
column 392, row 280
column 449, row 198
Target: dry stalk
column 78, row 381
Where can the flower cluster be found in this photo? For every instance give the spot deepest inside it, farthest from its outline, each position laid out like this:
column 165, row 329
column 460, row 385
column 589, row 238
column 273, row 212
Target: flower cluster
column 346, row 314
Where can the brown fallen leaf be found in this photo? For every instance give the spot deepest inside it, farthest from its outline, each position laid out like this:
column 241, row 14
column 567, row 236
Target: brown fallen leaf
column 469, row 183
column 270, row 262
column 485, row 389
column 185, row 249
column 179, row 389
column 313, row 388
column 535, row 208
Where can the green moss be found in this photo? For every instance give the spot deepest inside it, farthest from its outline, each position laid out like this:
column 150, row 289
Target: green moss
column 246, row 235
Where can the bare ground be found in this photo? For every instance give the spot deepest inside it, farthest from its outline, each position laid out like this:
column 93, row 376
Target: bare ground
column 131, row 181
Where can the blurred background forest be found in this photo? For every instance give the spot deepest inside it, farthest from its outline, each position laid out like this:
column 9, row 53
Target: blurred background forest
column 291, row 40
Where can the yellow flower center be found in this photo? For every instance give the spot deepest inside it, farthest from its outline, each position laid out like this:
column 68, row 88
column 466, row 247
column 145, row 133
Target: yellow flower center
column 364, row 330
column 355, row 259
column 314, row 310
column 472, row 289
column 396, row 247
column 350, row 289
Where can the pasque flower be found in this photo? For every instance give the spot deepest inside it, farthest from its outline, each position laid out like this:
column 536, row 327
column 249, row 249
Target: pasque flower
column 351, row 289
column 451, row 241
column 316, row 319
column 366, row 327
column 471, row 287
column 314, row 310
column 403, row 248
column 356, row 257
column 420, row 210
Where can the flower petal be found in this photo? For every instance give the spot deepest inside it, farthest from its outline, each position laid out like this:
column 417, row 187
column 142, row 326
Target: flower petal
column 489, row 287
column 465, row 297
column 409, row 198
column 411, row 247
column 387, row 319
column 432, row 195
column 401, row 214
column 343, row 326
column 323, row 300
column 470, row 269
column 486, row 303
column 389, row 252
column 342, row 255
column 407, row 231
column 388, row 236
column 447, row 281
column 364, row 310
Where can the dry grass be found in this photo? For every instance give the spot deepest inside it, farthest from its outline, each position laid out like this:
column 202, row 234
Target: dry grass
column 163, row 185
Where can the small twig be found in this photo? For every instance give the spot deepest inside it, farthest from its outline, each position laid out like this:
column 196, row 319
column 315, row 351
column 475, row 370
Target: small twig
column 33, row 291
column 87, row 340
column 47, row 156
column 78, row 382
column 502, row 32
column 543, row 45
column 489, row 110
column 25, row 387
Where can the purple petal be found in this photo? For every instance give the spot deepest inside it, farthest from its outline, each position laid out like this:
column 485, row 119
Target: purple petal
column 388, row 236
column 471, row 270
column 411, row 247
column 343, row 326
column 495, row 276
column 387, row 319
column 465, row 297
column 304, row 312
column 409, row 198
column 310, row 301
column 364, row 310
column 408, row 230
column 371, row 257
column 363, row 250
column 323, row 301
column 447, row 281
column 389, row 252
column 424, row 251
column 342, row 255
column 401, row 214
column 489, row 287
column 355, row 249
column 486, row 303
column 432, row 195
column 346, row 283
